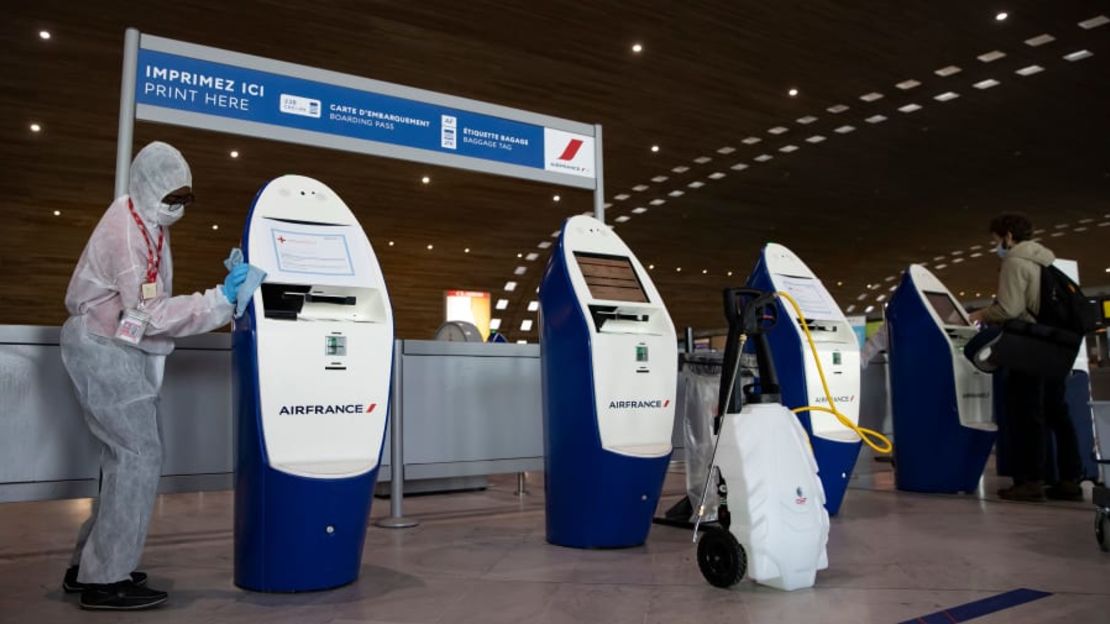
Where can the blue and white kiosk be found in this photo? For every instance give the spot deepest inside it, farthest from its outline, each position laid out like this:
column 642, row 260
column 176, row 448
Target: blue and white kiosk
column 835, row 447
column 610, row 360
column 313, row 357
column 940, row 403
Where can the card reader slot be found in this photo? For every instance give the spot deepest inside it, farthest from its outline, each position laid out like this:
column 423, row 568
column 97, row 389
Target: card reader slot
column 333, row 299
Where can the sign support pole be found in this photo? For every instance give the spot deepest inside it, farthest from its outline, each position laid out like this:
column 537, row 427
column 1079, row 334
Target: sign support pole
column 599, row 190
column 126, row 133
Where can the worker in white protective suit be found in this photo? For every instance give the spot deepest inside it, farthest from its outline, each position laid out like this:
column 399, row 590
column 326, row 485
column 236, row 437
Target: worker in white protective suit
column 123, row 319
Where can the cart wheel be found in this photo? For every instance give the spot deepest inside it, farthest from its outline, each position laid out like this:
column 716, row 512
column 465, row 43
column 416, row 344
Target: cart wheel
column 721, row 558
column 1102, row 531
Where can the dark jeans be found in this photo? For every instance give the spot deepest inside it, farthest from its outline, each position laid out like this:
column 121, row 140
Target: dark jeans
column 1033, row 406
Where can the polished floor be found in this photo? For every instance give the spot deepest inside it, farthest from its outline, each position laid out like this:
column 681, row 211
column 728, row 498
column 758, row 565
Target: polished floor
column 481, row 557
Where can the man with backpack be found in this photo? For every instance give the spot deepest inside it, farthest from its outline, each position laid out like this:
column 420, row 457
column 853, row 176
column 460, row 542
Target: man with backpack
column 1034, row 402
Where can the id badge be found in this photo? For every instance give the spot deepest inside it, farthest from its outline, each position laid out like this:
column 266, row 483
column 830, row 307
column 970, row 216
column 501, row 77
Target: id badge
column 132, row 326
column 150, row 291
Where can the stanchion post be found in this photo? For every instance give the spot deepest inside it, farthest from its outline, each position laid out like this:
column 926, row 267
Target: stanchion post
column 396, row 518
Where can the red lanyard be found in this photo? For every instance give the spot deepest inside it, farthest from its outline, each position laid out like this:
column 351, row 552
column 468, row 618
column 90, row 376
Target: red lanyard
column 152, row 260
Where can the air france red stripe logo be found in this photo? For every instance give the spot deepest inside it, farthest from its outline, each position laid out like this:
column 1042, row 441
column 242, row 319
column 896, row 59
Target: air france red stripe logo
column 571, row 150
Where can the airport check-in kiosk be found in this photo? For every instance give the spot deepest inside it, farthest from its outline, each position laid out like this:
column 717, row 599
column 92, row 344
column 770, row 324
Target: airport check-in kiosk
column 940, row 403
column 312, row 363
column 609, row 359
column 835, row 447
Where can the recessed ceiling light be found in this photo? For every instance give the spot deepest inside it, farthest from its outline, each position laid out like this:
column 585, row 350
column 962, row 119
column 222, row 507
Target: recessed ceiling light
column 44, row 35
column 793, row 92
column 871, row 97
column 660, row 179
column 678, row 269
column 992, row 56
column 874, row 119
column 701, row 160
column 1001, row 17
column 531, row 256
column 739, row 166
column 837, row 109
column 726, row 150
column 906, row 85
column 950, row 70
column 986, row 84
column 696, row 184
column 845, row 129
column 777, row 130
column 544, row 244
column 622, row 219
column 1040, row 40
column 520, row 255
column 57, row 213
column 36, row 127
column 730, row 273
column 390, row 243
column 640, row 188
column 639, row 210
column 705, row 271
column 1078, row 55
column 555, row 198
column 657, row 202
column 840, row 283
column 637, row 48
column 1029, row 70
column 466, row 250
column 510, row 286
column 520, row 270
column 501, row 304
column 817, row 138
column 763, row 157
column 751, row 140
column 786, row 149
column 215, row 226
column 431, row 246
column 234, row 154
column 621, row 197
column 533, row 306
column 651, row 267
column 805, row 121
column 495, row 324
column 680, row 169
column 1094, row 22
column 716, row 175
column 946, row 96
column 869, row 309
column 676, row 193
column 655, row 148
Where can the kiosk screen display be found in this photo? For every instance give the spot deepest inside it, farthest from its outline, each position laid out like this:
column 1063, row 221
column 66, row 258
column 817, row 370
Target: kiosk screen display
column 611, row 277
column 946, row 308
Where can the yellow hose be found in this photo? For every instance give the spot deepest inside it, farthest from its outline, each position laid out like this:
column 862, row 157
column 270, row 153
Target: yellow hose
column 881, row 443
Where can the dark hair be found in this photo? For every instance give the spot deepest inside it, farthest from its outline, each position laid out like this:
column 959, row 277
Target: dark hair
column 1012, row 223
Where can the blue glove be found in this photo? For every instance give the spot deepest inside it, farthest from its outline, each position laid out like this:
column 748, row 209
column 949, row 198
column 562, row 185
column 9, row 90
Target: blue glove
column 235, row 278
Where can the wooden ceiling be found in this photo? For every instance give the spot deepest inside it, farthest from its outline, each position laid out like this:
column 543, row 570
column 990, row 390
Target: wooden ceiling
column 858, row 207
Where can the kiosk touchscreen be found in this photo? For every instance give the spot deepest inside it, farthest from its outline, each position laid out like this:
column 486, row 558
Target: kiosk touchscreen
column 610, row 363
column 940, row 403
column 835, row 447
column 312, row 358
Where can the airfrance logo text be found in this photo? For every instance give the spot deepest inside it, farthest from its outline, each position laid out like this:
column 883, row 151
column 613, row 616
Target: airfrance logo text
column 658, row 404
column 339, row 408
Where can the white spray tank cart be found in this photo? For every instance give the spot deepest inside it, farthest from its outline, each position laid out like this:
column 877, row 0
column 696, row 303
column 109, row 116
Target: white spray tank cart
column 773, row 521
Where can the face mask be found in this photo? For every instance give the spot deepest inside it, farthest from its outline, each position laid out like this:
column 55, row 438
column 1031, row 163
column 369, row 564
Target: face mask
column 168, row 214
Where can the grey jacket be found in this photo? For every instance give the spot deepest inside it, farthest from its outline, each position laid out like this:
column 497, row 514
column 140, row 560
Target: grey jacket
column 1019, row 283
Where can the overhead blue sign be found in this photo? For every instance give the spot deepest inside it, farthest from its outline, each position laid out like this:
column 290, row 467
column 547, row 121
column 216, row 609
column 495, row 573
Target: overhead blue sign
column 232, row 92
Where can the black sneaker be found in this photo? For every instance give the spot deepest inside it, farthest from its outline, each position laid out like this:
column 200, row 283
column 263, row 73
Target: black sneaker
column 71, row 585
column 1065, row 491
column 1028, row 492
column 122, row 596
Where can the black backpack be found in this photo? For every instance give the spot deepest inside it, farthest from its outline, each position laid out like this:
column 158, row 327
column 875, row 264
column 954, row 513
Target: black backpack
column 1063, row 304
